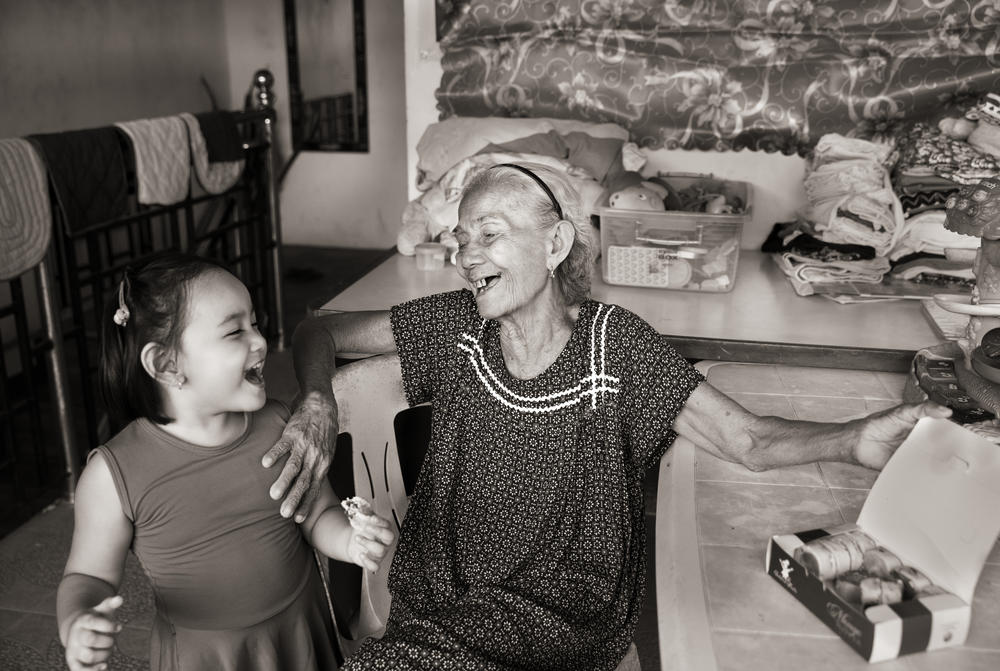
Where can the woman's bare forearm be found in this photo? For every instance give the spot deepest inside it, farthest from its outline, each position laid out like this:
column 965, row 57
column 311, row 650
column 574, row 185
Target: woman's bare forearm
column 317, row 341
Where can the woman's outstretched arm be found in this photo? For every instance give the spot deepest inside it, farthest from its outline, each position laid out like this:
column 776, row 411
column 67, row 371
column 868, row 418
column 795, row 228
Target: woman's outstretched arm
column 311, row 432
column 713, row 421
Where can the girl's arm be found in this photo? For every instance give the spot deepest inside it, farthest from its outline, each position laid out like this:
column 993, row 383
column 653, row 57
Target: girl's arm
column 717, row 424
column 328, row 530
column 312, row 430
column 86, row 601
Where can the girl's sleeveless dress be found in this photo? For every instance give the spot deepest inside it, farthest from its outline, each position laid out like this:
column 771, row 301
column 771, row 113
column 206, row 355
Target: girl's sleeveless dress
column 236, row 585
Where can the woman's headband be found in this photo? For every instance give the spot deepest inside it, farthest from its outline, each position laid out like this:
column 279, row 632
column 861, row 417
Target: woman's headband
column 538, row 180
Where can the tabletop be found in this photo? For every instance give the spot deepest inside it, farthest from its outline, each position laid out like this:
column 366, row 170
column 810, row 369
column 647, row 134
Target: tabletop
column 761, row 320
column 717, row 607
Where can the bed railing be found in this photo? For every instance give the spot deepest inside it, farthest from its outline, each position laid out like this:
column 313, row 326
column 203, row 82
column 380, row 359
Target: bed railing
column 240, row 228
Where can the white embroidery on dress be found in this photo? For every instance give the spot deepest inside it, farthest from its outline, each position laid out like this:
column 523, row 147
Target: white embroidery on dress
column 593, row 385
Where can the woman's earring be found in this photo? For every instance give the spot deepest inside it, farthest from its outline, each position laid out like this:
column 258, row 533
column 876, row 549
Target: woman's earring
column 180, row 381
column 552, row 273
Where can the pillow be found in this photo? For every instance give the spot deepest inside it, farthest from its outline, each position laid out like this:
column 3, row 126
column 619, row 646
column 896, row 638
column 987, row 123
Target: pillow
column 445, row 143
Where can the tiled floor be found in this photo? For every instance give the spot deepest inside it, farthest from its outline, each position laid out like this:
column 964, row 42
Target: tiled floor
column 32, row 558
column 753, row 623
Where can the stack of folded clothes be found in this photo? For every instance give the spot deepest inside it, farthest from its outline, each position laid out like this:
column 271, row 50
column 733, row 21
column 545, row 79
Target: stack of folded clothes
column 875, row 216
column 850, row 223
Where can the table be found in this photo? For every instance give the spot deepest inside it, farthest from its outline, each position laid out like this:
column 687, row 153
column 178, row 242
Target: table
column 760, row 320
column 717, row 608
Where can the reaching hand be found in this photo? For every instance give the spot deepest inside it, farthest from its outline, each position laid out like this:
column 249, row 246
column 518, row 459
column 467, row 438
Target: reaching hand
column 309, row 437
column 883, row 432
column 371, row 537
column 91, row 636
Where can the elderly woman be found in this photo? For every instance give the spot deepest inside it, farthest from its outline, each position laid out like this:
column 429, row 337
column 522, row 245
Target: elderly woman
column 524, row 543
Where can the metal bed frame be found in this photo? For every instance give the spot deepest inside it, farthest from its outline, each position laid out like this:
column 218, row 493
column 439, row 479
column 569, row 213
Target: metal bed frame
column 240, row 228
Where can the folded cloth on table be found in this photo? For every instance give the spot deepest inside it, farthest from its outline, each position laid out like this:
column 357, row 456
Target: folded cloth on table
column 87, row 171
column 956, row 160
column 214, row 178
column 836, row 147
column 806, row 273
column 926, row 232
column 162, row 159
column 25, row 213
column 933, row 266
column 796, row 237
column 872, row 216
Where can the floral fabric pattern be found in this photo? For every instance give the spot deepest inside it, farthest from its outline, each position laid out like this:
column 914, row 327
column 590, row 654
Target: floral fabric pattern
column 720, row 74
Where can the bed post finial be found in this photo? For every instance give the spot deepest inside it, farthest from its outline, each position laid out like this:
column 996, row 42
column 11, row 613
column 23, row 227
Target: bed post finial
column 263, row 84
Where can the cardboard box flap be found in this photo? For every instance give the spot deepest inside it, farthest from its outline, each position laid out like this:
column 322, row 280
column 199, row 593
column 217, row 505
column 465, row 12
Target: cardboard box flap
column 936, row 504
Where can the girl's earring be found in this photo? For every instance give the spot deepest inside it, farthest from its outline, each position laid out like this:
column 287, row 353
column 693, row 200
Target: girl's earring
column 180, row 381
column 552, row 273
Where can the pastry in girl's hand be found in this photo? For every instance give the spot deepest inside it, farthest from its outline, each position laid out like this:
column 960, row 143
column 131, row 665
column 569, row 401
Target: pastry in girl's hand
column 357, row 509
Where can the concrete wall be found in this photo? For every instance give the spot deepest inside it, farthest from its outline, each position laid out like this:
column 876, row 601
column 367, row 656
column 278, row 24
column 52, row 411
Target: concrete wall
column 777, row 179
column 70, row 65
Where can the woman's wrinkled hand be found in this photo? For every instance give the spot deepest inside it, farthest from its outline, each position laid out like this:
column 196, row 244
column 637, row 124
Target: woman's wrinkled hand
column 309, row 439
column 883, row 432
column 371, row 537
column 91, row 636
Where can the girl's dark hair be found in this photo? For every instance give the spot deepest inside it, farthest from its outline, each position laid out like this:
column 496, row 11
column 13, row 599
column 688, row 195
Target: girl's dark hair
column 155, row 293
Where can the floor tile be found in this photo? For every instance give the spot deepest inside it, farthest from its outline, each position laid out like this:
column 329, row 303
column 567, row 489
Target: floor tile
column 850, row 502
column 709, row 467
column 748, row 515
column 828, row 408
column 985, row 632
column 738, row 377
column 740, row 651
column 894, row 384
column 764, row 404
column 831, row 382
column 741, row 595
column 955, row 659
column 837, row 474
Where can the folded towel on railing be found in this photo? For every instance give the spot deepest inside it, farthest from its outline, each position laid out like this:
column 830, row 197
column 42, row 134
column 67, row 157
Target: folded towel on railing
column 222, row 136
column 213, row 177
column 162, row 159
column 87, row 169
column 25, row 213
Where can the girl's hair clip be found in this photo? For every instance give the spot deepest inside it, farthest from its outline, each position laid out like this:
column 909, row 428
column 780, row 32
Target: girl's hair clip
column 122, row 314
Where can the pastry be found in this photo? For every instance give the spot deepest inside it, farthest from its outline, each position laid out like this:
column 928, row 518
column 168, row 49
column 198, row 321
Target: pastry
column 357, row 508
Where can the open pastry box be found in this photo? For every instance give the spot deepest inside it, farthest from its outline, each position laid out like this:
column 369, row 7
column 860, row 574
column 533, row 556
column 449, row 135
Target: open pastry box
column 935, row 511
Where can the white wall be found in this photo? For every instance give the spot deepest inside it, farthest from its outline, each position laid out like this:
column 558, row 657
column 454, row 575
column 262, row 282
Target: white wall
column 776, row 178
column 348, row 199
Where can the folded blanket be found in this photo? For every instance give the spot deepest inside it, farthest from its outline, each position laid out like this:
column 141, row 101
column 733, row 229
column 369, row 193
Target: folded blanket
column 436, row 210
column 25, row 214
column 214, row 177
column 445, row 143
column 925, row 232
column 222, row 136
column 87, row 170
column 804, row 272
column 162, row 159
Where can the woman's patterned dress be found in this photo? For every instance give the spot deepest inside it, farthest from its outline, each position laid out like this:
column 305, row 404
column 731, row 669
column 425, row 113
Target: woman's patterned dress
column 523, row 546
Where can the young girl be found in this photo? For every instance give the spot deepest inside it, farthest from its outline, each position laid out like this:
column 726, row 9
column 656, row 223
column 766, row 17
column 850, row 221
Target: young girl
column 182, row 486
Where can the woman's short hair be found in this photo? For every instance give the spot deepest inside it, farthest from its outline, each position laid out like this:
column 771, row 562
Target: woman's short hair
column 573, row 274
column 154, row 293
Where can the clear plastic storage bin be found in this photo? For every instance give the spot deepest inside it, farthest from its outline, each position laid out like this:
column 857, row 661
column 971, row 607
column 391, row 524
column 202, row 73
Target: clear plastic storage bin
column 677, row 249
